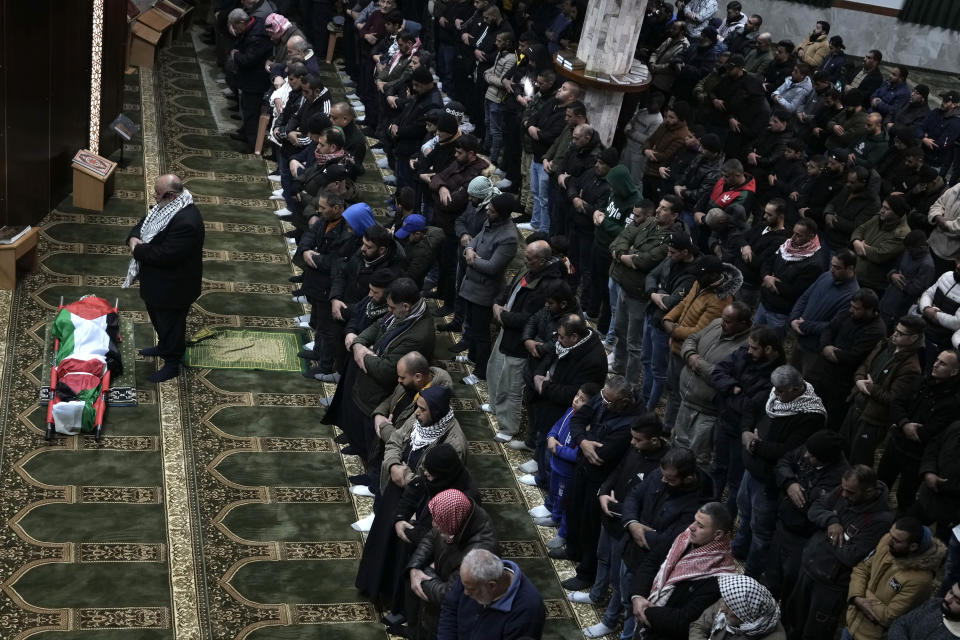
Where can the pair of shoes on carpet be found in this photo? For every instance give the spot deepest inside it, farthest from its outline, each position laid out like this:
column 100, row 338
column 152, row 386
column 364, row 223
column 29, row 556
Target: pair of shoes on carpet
column 363, row 525
column 361, row 490
column 502, row 437
column 530, row 466
column 597, row 631
column 581, row 597
column 463, row 358
column 168, row 371
column 528, row 479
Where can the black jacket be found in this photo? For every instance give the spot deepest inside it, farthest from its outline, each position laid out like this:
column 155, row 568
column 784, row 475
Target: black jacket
column 942, row 457
column 764, row 246
column 422, row 255
column 171, row 264
column 795, row 277
column 668, row 511
column 594, row 421
column 334, row 247
column 586, row 363
column 863, row 526
column 549, row 119
column 635, row 467
column 592, row 189
column 253, row 50
column 934, row 406
column 442, row 560
column 854, row 341
column 673, row 278
column 352, row 280
column 412, row 124
column 530, row 297
column 851, row 212
column 777, row 436
column 816, row 482
column 753, row 378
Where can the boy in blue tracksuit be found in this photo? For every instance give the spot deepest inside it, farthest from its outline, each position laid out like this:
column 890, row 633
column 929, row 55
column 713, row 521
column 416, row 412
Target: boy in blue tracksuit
column 563, row 458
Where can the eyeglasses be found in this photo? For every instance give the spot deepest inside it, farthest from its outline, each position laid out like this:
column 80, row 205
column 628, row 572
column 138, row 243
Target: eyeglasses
column 905, row 334
column 603, row 399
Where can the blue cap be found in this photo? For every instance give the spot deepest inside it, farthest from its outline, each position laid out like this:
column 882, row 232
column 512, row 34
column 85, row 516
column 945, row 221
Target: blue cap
column 360, row 217
column 411, row 224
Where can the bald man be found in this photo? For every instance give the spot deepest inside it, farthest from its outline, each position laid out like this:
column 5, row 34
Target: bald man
column 167, row 250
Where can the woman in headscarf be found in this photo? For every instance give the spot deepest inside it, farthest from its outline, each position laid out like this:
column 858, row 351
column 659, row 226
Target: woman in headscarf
column 431, row 425
column 459, row 526
column 745, row 611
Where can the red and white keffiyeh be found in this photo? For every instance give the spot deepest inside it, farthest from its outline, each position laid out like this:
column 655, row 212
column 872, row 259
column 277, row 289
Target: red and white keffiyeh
column 450, row 510
column 685, row 563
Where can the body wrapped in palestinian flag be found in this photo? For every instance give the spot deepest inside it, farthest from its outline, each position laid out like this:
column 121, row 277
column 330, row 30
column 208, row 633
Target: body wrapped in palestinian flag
column 87, row 331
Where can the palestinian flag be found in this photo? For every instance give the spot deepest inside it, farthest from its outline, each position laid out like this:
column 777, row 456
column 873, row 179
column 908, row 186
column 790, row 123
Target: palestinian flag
column 81, row 362
column 82, row 328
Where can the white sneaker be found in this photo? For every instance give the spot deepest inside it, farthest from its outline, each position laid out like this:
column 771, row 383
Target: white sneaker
column 581, row 597
column 282, row 212
column 390, row 180
column 528, row 479
column 277, row 192
column 291, row 241
column 611, row 357
column 486, row 407
column 361, row 490
column 525, row 226
column 309, row 346
column 273, row 178
column 228, row 92
column 383, row 163
column 276, row 197
column 539, row 511
column 300, row 299
column 325, row 401
column 465, row 359
column 503, row 184
column 517, row 444
column 304, row 325
column 363, row 526
column 530, row 466
column 556, row 542
column 471, row 379
column 597, row 631
column 304, row 318
column 502, row 437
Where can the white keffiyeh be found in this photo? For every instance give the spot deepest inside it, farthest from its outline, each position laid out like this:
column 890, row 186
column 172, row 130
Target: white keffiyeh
column 562, row 351
column 155, row 222
column 424, row 435
column 808, row 402
column 750, row 602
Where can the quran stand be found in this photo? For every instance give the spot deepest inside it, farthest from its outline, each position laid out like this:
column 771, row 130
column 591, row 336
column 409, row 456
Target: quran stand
column 92, row 180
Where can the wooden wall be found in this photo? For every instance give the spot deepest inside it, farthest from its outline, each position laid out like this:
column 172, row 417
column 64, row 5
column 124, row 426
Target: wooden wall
column 45, row 97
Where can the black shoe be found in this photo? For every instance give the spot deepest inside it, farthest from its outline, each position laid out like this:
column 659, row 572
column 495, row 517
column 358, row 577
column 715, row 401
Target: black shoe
column 453, row 325
column 168, row 371
column 342, row 439
column 313, row 371
column 293, row 233
column 558, row 554
column 399, row 630
column 297, row 292
column 459, row 347
column 150, row 352
column 236, row 135
column 308, row 354
column 443, row 311
column 394, row 619
column 296, row 279
column 350, row 450
column 361, row 479
column 575, row 583
column 286, row 218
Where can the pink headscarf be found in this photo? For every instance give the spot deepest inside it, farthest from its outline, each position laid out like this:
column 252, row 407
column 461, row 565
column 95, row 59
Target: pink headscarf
column 450, row 510
column 276, row 25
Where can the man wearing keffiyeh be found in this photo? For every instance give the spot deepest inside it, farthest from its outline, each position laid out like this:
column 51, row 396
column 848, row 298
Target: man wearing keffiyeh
column 746, row 610
column 167, row 258
column 668, row 596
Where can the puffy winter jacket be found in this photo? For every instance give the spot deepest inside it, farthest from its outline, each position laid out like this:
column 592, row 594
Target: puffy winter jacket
column 885, row 244
column 898, row 584
column 495, row 245
column 646, row 242
column 699, row 307
column 945, row 243
column 816, row 482
column 753, row 378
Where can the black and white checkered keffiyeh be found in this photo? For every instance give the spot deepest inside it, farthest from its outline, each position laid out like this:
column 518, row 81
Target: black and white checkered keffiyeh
column 750, row 602
column 155, row 222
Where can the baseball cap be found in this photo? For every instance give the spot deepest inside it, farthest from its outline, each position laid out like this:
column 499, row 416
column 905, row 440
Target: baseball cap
column 950, row 96
column 840, row 154
column 923, row 90
column 708, row 264
column 411, row 224
column 680, row 240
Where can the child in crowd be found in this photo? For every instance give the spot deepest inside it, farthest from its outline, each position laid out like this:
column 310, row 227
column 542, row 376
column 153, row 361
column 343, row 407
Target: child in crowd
column 562, row 460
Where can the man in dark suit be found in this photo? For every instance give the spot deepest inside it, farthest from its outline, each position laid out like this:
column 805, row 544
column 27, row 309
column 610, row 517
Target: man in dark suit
column 167, row 249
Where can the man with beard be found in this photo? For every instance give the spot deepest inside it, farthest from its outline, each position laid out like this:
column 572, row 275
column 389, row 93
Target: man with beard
column 406, row 134
column 941, row 130
column 910, row 116
column 747, row 41
column 601, row 433
column 250, row 52
column 793, row 93
column 780, row 68
column 892, row 580
column 792, row 413
column 869, row 78
column 760, row 243
column 787, row 274
column 587, row 194
column 851, row 207
column 665, row 63
column 917, row 420
column 371, row 373
column 850, row 520
column 849, row 126
column 878, row 242
column 933, row 620
column 665, row 142
column 742, row 384
column 815, row 48
column 677, row 582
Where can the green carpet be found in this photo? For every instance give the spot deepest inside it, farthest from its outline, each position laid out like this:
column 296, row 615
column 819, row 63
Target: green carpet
column 216, row 508
column 255, row 349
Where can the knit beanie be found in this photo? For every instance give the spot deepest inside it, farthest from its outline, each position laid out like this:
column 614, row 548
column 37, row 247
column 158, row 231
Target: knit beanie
column 826, row 446
column 438, row 401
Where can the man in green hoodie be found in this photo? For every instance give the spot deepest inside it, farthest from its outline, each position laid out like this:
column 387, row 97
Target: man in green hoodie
column 624, row 196
column 878, row 242
column 640, row 247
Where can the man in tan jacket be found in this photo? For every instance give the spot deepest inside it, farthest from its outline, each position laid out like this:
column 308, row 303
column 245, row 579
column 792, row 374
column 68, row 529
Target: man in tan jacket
column 815, row 48
column 892, row 580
